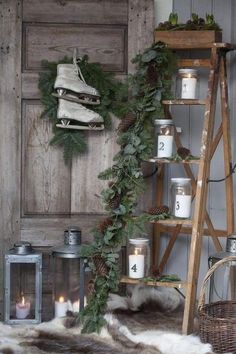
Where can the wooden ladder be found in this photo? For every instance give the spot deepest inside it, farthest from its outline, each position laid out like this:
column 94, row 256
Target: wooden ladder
column 216, row 63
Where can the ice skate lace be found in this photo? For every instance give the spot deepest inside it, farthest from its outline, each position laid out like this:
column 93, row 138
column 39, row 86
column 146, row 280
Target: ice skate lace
column 76, row 66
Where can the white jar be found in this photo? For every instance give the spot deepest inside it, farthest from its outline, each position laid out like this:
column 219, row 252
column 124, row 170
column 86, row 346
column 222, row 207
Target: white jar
column 187, row 84
column 164, row 137
column 181, row 197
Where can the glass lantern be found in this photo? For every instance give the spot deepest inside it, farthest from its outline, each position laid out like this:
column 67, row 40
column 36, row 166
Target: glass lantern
column 223, row 280
column 164, row 137
column 181, row 197
column 70, row 274
column 22, row 285
column 139, row 257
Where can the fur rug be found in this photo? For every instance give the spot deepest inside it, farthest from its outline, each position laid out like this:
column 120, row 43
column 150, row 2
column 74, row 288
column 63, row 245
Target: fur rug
column 146, row 322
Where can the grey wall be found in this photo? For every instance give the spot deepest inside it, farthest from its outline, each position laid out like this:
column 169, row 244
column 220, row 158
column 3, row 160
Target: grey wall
column 190, row 119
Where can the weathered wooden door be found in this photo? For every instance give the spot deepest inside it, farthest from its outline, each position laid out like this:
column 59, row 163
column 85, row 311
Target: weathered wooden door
column 40, row 195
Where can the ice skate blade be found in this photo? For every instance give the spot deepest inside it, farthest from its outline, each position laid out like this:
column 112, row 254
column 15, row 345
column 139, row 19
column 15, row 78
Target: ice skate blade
column 81, row 127
column 89, row 100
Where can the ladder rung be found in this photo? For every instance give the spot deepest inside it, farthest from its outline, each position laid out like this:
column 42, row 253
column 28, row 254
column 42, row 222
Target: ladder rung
column 186, row 63
column 172, row 284
column 174, row 221
column 186, row 230
column 163, row 160
column 183, row 102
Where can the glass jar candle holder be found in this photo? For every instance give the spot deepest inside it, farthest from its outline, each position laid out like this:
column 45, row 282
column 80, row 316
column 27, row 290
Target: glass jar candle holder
column 164, row 137
column 187, row 84
column 181, row 197
column 139, row 257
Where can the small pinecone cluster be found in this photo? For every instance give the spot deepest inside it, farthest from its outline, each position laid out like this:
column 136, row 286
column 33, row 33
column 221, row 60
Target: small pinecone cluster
column 104, row 224
column 161, row 209
column 128, row 120
column 155, row 271
column 100, row 265
column 183, row 152
column 90, row 287
column 115, row 201
column 152, row 75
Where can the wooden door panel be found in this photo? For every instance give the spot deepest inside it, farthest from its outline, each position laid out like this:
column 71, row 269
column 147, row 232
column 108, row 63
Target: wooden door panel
column 86, row 187
column 104, row 44
column 80, row 11
column 40, row 195
column 45, row 178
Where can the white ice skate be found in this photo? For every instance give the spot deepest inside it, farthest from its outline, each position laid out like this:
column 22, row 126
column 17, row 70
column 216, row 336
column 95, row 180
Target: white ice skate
column 73, row 115
column 70, row 85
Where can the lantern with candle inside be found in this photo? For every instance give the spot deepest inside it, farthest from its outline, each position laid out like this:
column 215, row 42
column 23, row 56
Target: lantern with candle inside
column 187, row 84
column 138, row 257
column 164, row 137
column 70, row 274
column 181, row 197
column 22, row 284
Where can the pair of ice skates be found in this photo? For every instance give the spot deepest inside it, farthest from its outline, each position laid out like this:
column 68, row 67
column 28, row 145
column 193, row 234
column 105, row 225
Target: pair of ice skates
column 72, row 90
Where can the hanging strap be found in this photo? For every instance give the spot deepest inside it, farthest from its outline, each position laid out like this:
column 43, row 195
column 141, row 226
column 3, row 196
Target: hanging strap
column 75, row 62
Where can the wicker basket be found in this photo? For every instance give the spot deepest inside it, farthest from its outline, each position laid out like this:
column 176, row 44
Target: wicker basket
column 217, row 321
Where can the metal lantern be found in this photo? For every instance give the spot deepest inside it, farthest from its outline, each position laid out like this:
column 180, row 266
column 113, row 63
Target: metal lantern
column 223, row 281
column 22, row 285
column 69, row 274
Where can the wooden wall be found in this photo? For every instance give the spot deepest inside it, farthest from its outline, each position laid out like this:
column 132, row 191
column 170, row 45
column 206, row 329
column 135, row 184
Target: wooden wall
column 40, row 195
column 190, row 121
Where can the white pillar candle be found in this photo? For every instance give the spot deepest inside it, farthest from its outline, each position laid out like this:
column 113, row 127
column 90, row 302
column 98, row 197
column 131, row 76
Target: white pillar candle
column 136, row 266
column 189, row 85
column 22, row 309
column 164, row 145
column 182, row 206
column 61, row 307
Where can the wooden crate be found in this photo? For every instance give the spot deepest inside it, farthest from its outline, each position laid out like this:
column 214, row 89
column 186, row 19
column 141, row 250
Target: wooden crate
column 191, row 39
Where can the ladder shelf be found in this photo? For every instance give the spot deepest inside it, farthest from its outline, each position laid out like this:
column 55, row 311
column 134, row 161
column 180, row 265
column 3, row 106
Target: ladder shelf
column 201, row 223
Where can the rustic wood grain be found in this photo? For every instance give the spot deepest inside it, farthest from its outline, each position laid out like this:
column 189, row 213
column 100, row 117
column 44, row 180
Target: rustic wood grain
column 103, row 44
column 188, row 39
column 140, row 28
column 10, row 108
column 86, row 187
column 45, row 178
column 71, row 11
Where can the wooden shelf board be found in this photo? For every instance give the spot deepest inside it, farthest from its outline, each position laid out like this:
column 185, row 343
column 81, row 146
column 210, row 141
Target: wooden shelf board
column 182, row 102
column 163, row 160
column 186, row 230
column 172, row 284
column 174, row 221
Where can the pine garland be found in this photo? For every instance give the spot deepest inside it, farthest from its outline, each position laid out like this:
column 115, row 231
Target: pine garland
column 113, row 97
column 149, row 85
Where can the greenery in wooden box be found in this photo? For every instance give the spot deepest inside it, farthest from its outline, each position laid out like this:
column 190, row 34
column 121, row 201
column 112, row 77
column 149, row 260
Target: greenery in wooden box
column 196, row 31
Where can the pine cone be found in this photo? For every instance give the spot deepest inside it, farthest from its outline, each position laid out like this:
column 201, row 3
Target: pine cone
column 128, row 120
column 115, row 202
column 183, row 152
column 105, row 223
column 90, row 287
column 111, row 184
column 100, row 265
column 155, row 271
column 161, row 209
column 152, row 75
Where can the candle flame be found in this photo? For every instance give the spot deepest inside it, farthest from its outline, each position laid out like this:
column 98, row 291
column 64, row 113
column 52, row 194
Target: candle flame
column 136, row 251
column 23, row 300
column 61, row 299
